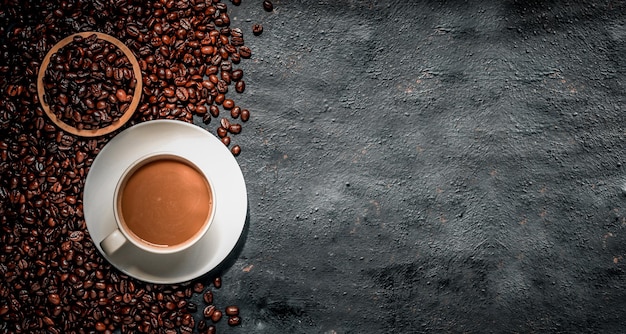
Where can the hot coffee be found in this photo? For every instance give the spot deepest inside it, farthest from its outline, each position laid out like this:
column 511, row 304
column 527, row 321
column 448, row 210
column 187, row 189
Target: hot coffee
column 164, row 201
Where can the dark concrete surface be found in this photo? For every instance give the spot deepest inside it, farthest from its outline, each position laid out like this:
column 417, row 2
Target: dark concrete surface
column 433, row 167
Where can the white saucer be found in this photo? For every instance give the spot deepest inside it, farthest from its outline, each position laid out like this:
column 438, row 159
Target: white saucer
column 197, row 145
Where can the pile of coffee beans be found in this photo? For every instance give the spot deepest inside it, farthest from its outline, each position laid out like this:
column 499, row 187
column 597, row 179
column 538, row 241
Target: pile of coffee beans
column 188, row 54
column 52, row 278
column 89, row 83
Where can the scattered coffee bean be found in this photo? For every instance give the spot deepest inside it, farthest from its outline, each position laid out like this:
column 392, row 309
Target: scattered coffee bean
column 216, row 316
column 257, row 29
column 232, row 310
column 245, row 115
column 234, row 321
column 229, row 103
column 240, row 86
column 208, row 297
column 217, row 282
column 201, row 110
column 235, row 112
column 198, row 287
column 214, row 110
column 222, row 132
column 220, row 98
column 225, row 123
column 202, row 325
column 192, row 307
column 236, row 150
column 237, row 75
column 245, row 52
column 234, row 128
column 268, row 6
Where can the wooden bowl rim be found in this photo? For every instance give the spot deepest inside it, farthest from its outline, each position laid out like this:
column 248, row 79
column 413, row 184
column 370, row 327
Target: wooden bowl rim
column 113, row 126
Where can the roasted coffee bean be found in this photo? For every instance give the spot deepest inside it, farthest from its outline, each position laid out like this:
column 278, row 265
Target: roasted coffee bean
column 213, row 79
column 222, row 87
column 225, row 123
column 236, row 150
column 132, row 30
column 245, row 115
column 236, row 32
column 235, row 112
column 182, row 94
column 100, row 105
column 200, row 110
column 234, row 128
column 257, row 29
column 236, row 2
column 226, row 77
column 198, row 287
column 192, row 307
column 234, row 321
column 222, row 132
column 216, row 316
column 225, row 140
column 268, row 6
column 214, row 110
column 208, row 297
column 76, row 236
column 202, row 325
column 216, row 60
column 228, row 104
column 54, row 299
column 240, row 86
column 232, row 310
column 169, row 92
column 237, row 75
column 220, row 98
column 245, row 52
column 100, row 326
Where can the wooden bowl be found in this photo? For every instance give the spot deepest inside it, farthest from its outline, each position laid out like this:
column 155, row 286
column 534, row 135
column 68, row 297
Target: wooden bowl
column 90, row 132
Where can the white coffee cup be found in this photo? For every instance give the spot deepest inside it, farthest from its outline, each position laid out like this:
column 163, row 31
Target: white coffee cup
column 163, row 203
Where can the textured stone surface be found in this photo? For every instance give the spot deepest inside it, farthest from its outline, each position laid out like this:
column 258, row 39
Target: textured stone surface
column 444, row 167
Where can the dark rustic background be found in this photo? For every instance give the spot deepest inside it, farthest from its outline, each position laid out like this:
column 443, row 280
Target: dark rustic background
column 434, row 167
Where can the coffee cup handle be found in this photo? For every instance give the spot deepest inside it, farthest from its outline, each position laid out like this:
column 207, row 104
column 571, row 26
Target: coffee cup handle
column 113, row 242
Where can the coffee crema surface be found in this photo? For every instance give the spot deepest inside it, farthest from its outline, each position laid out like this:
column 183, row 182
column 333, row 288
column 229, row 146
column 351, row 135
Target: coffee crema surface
column 165, row 202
